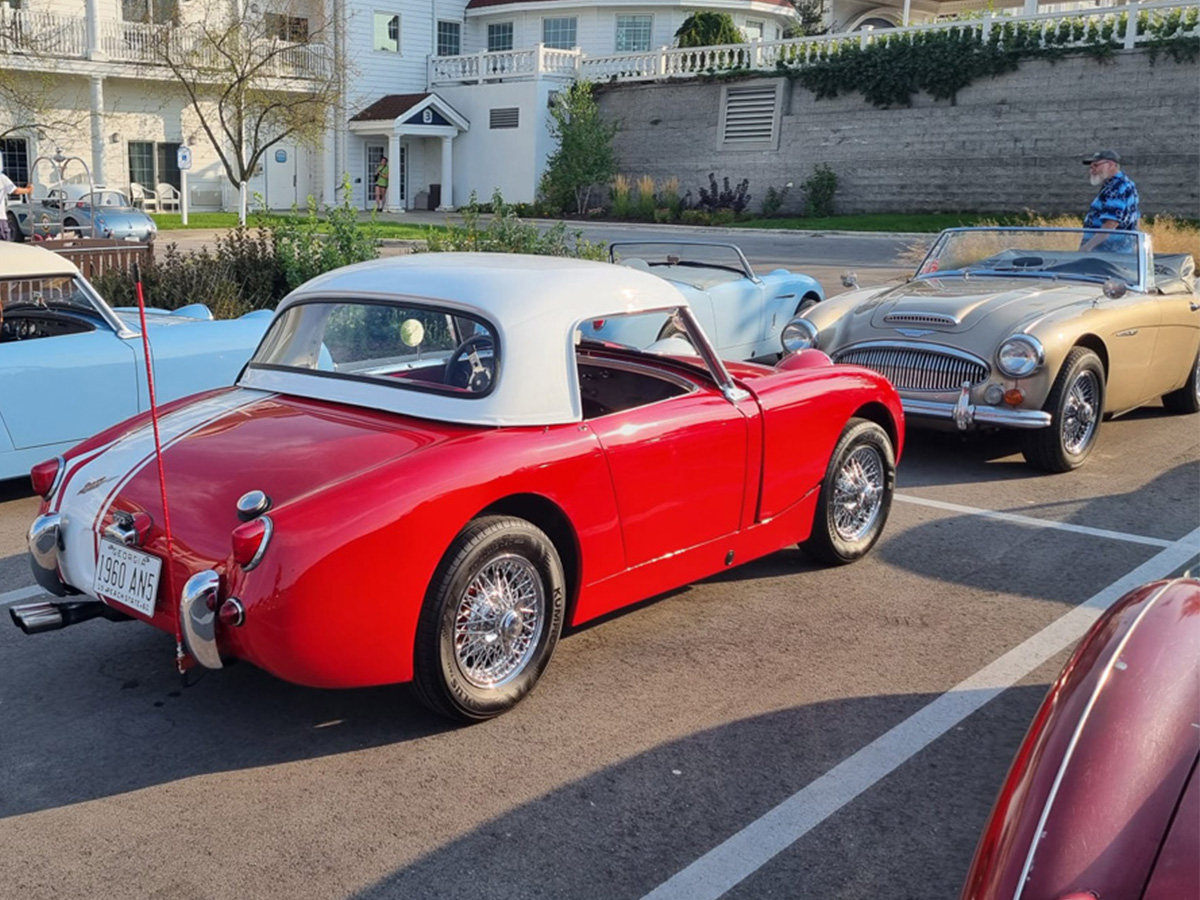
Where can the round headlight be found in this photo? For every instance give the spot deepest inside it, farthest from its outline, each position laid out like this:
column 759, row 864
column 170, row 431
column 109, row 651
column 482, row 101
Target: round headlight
column 1020, row 356
column 797, row 335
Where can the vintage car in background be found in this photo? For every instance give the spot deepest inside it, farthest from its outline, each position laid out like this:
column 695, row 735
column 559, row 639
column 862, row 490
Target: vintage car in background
column 1103, row 798
column 426, row 469
column 742, row 313
column 70, row 365
column 81, row 210
column 1020, row 328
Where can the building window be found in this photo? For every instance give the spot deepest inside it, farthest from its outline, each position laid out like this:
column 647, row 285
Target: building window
column 500, row 37
column 387, row 32
column 559, row 33
column 449, row 38
column 151, row 164
column 507, row 117
column 633, row 34
column 14, row 153
column 753, row 30
column 286, row 28
column 157, row 12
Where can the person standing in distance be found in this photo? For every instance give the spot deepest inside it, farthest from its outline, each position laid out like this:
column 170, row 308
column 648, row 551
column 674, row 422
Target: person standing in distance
column 7, row 186
column 1116, row 206
column 381, row 184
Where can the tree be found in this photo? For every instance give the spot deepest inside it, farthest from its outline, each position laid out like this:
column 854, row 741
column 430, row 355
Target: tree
column 252, row 80
column 811, row 19
column 585, row 155
column 708, row 29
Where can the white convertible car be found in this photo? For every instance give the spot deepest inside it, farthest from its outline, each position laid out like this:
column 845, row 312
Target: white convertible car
column 742, row 313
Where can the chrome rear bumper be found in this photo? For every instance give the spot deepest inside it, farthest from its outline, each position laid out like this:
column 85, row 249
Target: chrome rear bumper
column 45, row 543
column 198, row 617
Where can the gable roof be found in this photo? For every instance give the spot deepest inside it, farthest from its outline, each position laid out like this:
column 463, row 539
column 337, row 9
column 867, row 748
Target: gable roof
column 480, row 4
column 390, row 107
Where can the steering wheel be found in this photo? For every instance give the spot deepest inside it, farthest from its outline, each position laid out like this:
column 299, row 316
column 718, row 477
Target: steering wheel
column 465, row 369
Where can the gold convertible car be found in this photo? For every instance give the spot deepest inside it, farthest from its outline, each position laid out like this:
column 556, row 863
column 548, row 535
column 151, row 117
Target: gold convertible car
column 1042, row 329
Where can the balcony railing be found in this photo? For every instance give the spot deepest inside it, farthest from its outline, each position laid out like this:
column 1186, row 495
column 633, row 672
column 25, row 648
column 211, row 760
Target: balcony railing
column 1127, row 25
column 51, row 36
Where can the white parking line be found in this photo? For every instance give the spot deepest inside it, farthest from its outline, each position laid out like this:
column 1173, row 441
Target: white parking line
column 1036, row 523
column 10, row 597
column 745, row 852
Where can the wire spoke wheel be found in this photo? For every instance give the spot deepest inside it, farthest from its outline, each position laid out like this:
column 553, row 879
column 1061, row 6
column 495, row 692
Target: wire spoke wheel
column 1081, row 412
column 499, row 620
column 858, row 493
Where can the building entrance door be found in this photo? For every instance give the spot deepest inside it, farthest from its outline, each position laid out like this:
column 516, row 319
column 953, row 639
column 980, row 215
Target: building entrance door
column 397, row 174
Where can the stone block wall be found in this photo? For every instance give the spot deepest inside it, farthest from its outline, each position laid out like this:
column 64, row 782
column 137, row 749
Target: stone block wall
column 1005, row 144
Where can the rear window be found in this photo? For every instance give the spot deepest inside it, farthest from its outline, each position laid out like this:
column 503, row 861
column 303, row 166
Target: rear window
column 404, row 345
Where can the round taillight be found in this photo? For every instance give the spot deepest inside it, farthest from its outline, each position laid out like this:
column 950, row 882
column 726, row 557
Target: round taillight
column 232, row 614
column 250, row 541
column 45, row 476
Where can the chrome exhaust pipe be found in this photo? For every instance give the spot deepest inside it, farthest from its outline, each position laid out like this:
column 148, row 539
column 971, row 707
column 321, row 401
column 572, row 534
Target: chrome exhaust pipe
column 35, row 618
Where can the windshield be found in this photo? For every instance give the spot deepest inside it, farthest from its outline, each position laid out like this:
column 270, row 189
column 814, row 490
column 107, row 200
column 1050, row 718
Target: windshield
column 697, row 264
column 1068, row 253
column 44, row 292
column 400, row 344
column 104, row 198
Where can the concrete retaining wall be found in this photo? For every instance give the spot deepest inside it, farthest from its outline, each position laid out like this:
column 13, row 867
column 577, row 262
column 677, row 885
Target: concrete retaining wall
column 1007, row 143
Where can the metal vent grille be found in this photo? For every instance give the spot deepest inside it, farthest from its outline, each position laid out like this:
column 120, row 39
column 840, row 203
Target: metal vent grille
column 506, row 117
column 749, row 115
column 920, row 318
column 917, row 368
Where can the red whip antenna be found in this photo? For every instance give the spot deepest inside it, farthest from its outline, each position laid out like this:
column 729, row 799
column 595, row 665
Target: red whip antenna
column 162, row 480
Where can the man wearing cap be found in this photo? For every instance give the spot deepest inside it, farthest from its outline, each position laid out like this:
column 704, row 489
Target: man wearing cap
column 1116, row 206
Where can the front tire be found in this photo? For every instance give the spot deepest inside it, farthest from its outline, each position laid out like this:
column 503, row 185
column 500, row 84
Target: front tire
column 856, row 495
column 490, row 621
column 1187, row 398
column 1076, row 406
column 806, row 303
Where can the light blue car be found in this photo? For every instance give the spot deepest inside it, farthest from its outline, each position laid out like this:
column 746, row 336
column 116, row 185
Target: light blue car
column 742, row 313
column 70, row 365
column 79, row 211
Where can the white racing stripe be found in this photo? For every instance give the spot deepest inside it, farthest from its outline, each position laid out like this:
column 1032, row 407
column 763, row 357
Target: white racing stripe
column 8, row 598
column 744, row 853
column 1036, row 523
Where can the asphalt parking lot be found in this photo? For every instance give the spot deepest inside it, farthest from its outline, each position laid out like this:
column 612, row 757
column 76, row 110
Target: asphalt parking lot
column 780, row 730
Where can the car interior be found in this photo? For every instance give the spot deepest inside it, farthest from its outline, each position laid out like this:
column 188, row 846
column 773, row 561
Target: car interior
column 609, row 385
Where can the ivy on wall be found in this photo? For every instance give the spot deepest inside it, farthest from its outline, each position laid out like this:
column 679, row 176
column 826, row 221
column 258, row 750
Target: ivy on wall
column 894, row 67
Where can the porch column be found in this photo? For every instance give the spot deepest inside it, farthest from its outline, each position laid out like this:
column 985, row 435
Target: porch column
column 394, row 204
column 92, row 20
column 98, row 135
column 447, row 175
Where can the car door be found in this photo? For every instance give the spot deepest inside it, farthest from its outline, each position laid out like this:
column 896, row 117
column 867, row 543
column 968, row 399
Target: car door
column 738, row 311
column 678, row 469
column 1178, row 338
column 61, row 388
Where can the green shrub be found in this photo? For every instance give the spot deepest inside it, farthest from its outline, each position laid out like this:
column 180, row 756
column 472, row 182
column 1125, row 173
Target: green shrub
column 622, row 203
column 773, row 201
column 646, row 201
column 663, row 214
column 504, row 232
column 819, row 189
column 305, row 247
column 695, row 217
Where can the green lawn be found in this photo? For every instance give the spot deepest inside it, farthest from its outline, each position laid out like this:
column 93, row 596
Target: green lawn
column 209, row 220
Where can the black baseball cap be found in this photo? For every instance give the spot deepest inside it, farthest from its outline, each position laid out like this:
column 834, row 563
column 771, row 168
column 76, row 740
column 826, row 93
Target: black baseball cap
column 1101, row 155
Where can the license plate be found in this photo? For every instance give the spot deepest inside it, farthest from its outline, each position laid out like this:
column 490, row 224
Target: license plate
column 128, row 576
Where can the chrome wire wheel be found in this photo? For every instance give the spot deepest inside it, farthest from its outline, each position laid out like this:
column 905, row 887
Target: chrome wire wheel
column 499, row 621
column 1081, row 412
column 858, row 493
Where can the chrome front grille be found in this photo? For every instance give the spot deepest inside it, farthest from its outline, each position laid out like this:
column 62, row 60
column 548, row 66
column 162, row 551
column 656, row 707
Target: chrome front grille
column 917, row 368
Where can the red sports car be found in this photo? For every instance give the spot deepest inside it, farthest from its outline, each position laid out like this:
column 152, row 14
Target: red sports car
column 426, row 469
column 1103, row 798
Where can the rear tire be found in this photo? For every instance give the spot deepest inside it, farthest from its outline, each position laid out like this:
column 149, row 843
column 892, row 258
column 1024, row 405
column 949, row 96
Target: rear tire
column 14, row 229
column 856, row 495
column 1076, row 407
column 1187, row 398
column 491, row 619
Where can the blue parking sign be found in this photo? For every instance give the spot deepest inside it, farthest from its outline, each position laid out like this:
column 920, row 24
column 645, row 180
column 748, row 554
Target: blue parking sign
column 183, row 157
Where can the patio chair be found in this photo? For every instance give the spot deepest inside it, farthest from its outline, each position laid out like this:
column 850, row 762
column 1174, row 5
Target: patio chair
column 142, row 198
column 168, row 197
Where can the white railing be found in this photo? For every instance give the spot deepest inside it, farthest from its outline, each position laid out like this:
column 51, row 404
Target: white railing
column 1128, row 25
column 35, row 33
column 504, row 65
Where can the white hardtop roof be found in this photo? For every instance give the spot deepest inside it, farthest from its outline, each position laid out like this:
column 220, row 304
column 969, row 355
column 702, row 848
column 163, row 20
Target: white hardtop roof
column 534, row 303
column 28, row 261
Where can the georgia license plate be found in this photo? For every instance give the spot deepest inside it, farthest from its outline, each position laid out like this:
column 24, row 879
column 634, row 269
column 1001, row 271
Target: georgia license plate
column 128, row 576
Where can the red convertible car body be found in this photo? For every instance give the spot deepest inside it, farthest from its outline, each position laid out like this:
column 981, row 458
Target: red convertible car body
column 1103, row 798
column 425, row 471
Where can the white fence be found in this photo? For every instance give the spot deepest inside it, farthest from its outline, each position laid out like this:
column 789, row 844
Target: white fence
column 1125, row 25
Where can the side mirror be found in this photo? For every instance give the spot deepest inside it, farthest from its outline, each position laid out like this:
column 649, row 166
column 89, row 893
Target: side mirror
column 1115, row 289
column 849, row 280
